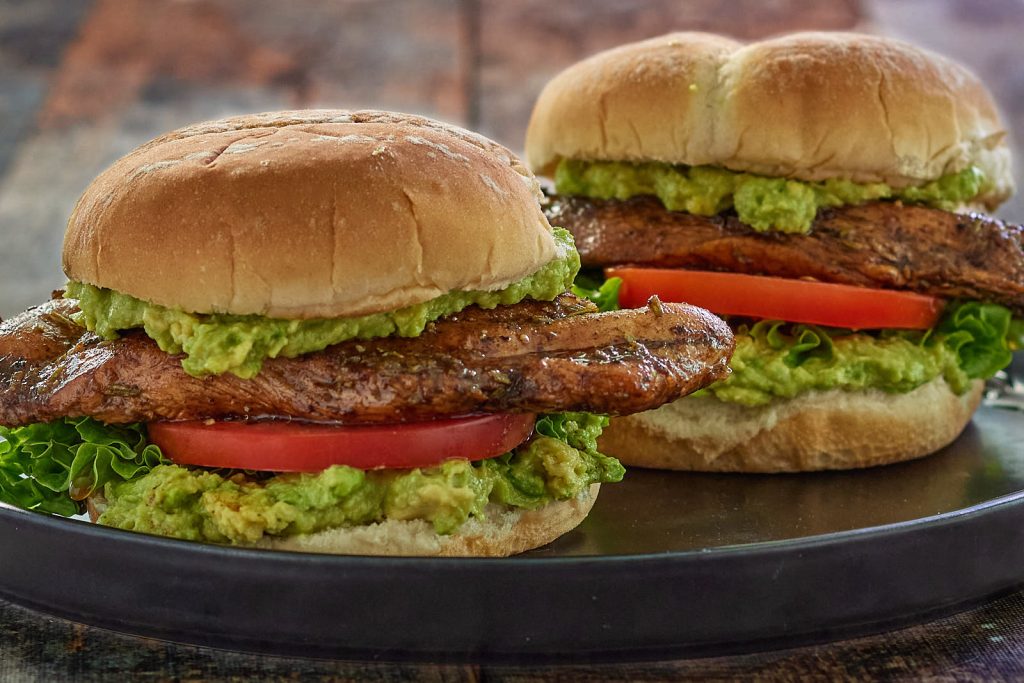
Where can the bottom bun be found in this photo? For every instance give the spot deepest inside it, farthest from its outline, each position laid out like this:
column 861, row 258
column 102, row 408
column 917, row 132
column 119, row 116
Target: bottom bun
column 505, row 531
column 818, row 430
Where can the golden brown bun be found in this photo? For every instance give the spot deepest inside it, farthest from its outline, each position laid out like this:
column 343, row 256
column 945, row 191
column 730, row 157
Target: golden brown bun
column 309, row 214
column 833, row 430
column 808, row 106
column 505, row 531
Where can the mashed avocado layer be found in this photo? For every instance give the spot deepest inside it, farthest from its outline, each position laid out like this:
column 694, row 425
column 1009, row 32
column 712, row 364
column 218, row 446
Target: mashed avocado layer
column 219, row 343
column 762, row 371
column 558, row 463
column 760, row 202
column 781, row 360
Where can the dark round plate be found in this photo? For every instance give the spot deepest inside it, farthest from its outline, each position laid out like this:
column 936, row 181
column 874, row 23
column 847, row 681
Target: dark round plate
column 666, row 565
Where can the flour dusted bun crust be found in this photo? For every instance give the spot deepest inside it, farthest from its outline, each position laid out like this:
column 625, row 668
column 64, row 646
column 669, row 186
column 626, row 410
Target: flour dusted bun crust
column 286, row 214
column 814, row 431
column 808, row 105
column 505, row 531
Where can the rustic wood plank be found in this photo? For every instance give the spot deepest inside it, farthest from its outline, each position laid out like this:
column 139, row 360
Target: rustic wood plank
column 984, row 643
column 34, row 647
column 32, row 41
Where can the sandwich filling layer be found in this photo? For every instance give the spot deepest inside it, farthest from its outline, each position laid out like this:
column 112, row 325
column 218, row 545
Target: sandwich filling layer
column 972, row 261
column 764, row 203
column 219, row 343
column 74, row 408
column 145, row 492
column 774, row 359
column 777, row 360
column 532, row 357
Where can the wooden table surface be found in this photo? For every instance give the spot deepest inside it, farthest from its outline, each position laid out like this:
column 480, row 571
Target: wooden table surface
column 982, row 644
column 84, row 81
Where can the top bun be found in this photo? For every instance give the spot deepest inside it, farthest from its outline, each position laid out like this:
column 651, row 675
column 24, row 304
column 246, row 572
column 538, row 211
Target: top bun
column 309, row 214
column 809, row 106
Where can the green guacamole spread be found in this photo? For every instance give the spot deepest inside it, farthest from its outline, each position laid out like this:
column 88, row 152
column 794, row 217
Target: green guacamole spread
column 762, row 371
column 760, row 202
column 558, row 463
column 219, row 343
column 781, row 360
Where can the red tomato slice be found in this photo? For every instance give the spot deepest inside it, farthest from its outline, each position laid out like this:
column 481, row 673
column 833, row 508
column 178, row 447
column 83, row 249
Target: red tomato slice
column 776, row 298
column 281, row 446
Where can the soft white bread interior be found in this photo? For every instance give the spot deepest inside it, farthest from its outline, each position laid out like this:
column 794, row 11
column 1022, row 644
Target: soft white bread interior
column 830, row 430
column 505, row 531
column 808, row 105
column 309, row 214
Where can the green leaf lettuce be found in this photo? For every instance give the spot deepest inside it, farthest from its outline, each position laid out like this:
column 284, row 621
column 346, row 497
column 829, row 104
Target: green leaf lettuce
column 51, row 467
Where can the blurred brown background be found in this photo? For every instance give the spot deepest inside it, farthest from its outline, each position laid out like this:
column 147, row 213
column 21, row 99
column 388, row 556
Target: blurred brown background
column 84, row 81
